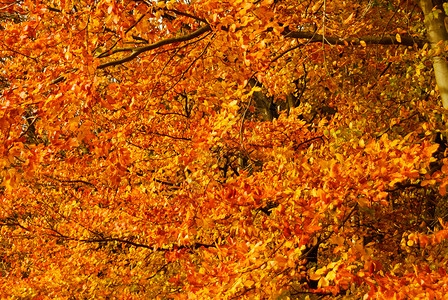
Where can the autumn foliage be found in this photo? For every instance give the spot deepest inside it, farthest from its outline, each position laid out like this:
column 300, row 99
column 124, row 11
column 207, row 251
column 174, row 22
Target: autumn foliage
column 203, row 149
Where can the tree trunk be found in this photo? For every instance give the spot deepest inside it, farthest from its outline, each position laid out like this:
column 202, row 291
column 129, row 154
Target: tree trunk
column 263, row 104
column 436, row 30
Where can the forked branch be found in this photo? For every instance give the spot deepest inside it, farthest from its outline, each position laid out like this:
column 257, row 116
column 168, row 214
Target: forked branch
column 137, row 51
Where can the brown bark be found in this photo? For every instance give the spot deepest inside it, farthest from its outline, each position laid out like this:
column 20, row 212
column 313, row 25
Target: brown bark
column 137, row 51
column 369, row 40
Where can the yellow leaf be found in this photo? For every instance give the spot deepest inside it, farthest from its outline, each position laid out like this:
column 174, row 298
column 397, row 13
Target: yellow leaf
column 445, row 169
column 442, row 190
column 398, row 37
column 73, row 142
column 339, row 157
column 363, row 202
column 382, row 195
column 362, row 144
column 441, row 223
column 233, row 103
column 427, row 182
column 362, row 43
column 349, row 19
column 321, row 271
column 315, row 276
column 323, row 282
column 249, row 283
column 331, row 275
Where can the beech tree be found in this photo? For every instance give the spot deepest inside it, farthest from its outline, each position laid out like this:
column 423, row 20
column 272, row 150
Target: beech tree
column 434, row 16
column 244, row 149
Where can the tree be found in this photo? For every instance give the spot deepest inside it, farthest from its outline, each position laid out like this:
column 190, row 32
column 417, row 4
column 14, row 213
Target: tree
column 434, row 16
column 232, row 150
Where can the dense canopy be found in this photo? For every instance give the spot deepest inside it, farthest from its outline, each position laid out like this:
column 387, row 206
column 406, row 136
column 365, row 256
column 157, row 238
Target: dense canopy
column 239, row 149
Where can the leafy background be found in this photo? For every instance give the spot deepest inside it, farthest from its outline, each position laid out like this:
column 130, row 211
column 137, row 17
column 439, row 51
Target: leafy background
column 231, row 150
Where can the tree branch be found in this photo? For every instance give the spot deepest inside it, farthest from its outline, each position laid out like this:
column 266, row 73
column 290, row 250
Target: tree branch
column 186, row 15
column 313, row 37
column 190, row 247
column 101, row 239
column 137, row 51
column 79, row 181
